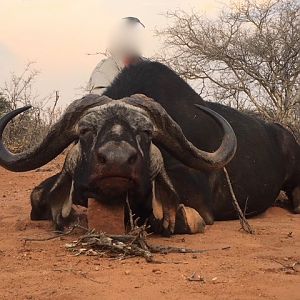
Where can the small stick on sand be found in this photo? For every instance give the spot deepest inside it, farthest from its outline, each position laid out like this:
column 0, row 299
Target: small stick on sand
column 244, row 223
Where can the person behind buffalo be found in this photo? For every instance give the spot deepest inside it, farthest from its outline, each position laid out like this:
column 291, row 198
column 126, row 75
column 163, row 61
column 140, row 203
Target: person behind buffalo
column 124, row 50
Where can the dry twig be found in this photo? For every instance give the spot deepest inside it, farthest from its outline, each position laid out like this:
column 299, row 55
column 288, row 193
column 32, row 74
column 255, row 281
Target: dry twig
column 60, row 234
column 130, row 213
column 129, row 245
column 244, row 223
column 295, row 267
column 133, row 244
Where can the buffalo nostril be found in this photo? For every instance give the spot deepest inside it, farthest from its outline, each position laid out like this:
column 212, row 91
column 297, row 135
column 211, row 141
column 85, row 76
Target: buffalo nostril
column 101, row 158
column 132, row 159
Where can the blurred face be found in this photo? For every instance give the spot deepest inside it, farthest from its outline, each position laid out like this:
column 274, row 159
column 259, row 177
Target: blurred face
column 127, row 40
column 131, row 60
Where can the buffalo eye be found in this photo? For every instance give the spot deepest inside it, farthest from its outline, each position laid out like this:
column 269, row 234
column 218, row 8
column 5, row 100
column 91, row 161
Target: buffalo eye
column 148, row 133
column 84, row 131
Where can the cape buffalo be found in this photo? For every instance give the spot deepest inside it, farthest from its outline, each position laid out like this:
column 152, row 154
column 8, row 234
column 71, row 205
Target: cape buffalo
column 266, row 161
column 115, row 157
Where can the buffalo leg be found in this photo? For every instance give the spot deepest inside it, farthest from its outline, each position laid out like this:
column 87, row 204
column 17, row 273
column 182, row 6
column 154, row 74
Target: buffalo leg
column 193, row 190
column 292, row 190
column 175, row 218
column 40, row 201
column 291, row 149
column 296, row 199
column 59, row 196
column 296, row 190
column 165, row 197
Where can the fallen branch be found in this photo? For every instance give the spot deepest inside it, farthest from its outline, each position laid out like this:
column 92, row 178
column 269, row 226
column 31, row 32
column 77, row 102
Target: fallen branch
column 133, row 244
column 294, row 267
column 129, row 245
column 59, row 235
column 244, row 223
column 168, row 249
column 125, row 246
column 195, row 277
column 130, row 213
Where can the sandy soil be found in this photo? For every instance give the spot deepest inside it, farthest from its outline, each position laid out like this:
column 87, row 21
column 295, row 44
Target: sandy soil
column 253, row 267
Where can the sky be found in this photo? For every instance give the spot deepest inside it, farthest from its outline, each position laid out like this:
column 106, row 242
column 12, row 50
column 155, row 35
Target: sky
column 58, row 34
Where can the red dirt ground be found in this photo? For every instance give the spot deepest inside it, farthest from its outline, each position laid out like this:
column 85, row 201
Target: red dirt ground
column 254, row 267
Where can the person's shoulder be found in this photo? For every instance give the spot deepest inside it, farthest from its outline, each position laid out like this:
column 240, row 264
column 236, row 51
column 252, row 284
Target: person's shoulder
column 106, row 62
column 103, row 61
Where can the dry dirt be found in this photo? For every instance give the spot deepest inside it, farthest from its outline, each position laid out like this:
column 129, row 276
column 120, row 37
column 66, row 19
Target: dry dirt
column 253, row 267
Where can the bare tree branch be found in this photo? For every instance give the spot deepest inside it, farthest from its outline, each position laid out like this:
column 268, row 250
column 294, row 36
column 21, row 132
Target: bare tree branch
column 248, row 57
column 29, row 128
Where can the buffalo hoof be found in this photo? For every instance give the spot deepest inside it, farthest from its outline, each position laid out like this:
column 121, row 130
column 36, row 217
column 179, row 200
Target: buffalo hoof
column 188, row 220
column 60, row 223
column 297, row 210
column 40, row 214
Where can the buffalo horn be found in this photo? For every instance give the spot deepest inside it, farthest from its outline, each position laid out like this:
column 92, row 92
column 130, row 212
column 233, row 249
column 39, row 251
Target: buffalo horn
column 60, row 136
column 169, row 135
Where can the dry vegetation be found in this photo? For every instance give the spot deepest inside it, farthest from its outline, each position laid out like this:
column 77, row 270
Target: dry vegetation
column 248, row 57
column 29, row 128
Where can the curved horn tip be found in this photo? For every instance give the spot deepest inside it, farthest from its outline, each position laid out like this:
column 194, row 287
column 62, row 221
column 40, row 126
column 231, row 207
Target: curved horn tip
column 212, row 112
column 26, row 107
column 222, row 121
column 205, row 108
column 10, row 115
column 22, row 109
